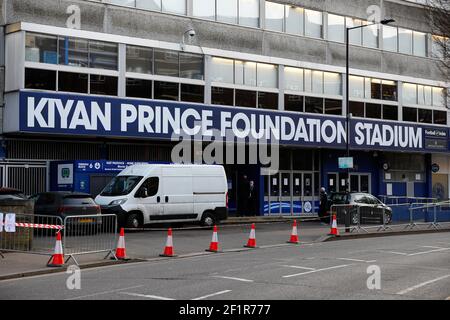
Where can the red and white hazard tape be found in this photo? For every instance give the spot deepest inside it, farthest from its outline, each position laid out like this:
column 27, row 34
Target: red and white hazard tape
column 39, row 226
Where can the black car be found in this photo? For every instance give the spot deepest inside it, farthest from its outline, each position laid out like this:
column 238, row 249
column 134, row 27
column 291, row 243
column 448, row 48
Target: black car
column 64, row 204
column 371, row 209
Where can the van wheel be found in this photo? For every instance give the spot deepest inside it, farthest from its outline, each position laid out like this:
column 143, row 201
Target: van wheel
column 208, row 220
column 133, row 221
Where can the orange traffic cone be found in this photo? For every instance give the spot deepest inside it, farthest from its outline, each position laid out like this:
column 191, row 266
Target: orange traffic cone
column 294, row 234
column 120, row 251
column 214, row 246
column 252, row 238
column 168, row 250
column 57, row 259
column 334, row 230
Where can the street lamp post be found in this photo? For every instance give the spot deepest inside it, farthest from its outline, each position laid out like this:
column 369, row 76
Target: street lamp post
column 347, row 87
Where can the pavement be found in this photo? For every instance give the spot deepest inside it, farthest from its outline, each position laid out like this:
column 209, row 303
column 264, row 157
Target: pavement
column 414, row 266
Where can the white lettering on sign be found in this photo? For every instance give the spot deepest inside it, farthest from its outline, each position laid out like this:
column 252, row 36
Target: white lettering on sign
column 80, row 114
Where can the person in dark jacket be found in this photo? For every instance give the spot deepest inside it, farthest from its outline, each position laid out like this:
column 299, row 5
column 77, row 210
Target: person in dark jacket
column 323, row 207
column 244, row 194
column 252, row 199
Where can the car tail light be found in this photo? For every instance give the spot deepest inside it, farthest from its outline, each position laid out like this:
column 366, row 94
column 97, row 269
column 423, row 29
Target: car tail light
column 98, row 209
column 64, row 209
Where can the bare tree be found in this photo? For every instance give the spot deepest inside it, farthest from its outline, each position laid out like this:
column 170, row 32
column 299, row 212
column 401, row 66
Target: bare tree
column 438, row 13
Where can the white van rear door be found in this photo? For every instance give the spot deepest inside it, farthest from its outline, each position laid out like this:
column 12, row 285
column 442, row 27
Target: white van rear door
column 177, row 193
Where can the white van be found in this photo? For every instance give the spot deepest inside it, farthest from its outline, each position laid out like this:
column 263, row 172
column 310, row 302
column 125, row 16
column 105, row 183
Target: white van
column 154, row 193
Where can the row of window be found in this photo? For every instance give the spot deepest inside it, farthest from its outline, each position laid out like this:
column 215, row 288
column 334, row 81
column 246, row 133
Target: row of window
column 293, row 20
column 423, row 95
column 370, row 88
column 173, row 91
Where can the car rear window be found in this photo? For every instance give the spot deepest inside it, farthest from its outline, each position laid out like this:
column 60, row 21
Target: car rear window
column 78, row 201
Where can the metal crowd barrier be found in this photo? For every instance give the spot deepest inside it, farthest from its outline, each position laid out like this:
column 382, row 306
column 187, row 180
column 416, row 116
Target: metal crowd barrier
column 363, row 218
column 34, row 234
column 84, row 234
column 87, row 234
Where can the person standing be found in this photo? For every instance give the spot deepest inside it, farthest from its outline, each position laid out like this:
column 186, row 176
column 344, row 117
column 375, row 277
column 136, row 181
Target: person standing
column 252, row 198
column 323, row 207
column 244, row 193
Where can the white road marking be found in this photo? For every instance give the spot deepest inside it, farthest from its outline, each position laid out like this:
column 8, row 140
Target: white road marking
column 212, row 295
column 316, row 270
column 357, row 260
column 429, row 251
column 395, row 252
column 275, row 245
column 233, row 278
column 433, row 247
column 422, row 285
column 104, row 292
column 436, row 249
column 149, row 296
column 298, row 267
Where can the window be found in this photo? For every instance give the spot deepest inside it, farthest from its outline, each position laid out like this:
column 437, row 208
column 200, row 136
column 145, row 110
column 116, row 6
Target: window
column 405, row 41
column 373, row 111
column 267, row 75
column 389, row 90
column 293, row 102
column 390, row 38
column 103, row 55
column 355, row 34
column 151, row 185
column 205, row 9
column 139, row 88
column 375, row 89
column 227, row 11
column 41, row 48
column 174, row 6
column 166, row 63
column 333, row 107
column 438, row 46
column 440, row 117
column 336, row 28
column 249, row 13
column 332, row 83
column 149, row 4
column 293, row 78
column 357, row 109
column 370, row 36
column 409, row 114
column 128, row 3
column 192, row 93
column 317, row 81
column 40, row 79
column 438, row 97
column 246, row 98
column 268, row 100
column 73, row 52
column 424, row 95
column 139, row 60
column 313, row 105
column 222, row 70
column 390, row 112
column 409, row 93
column 166, row 90
column 274, row 16
column 356, row 87
column 73, row 82
column 222, row 96
column 313, row 23
column 250, row 73
column 191, row 66
column 103, row 85
column 425, row 115
column 294, row 20
column 420, row 44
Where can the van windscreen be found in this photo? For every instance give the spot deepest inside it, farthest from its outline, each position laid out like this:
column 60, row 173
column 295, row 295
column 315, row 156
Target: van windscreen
column 120, row 186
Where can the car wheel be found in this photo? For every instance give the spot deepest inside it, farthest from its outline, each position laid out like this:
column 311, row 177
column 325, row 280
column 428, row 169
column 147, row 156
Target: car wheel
column 387, row 218
column 355, row 219
column 208, row 220
column 133, row 221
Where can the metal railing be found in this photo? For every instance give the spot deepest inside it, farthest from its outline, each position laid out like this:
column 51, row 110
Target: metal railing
column 34, row 234
column 363, row 218
column 84, row 234
column 88, row 234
